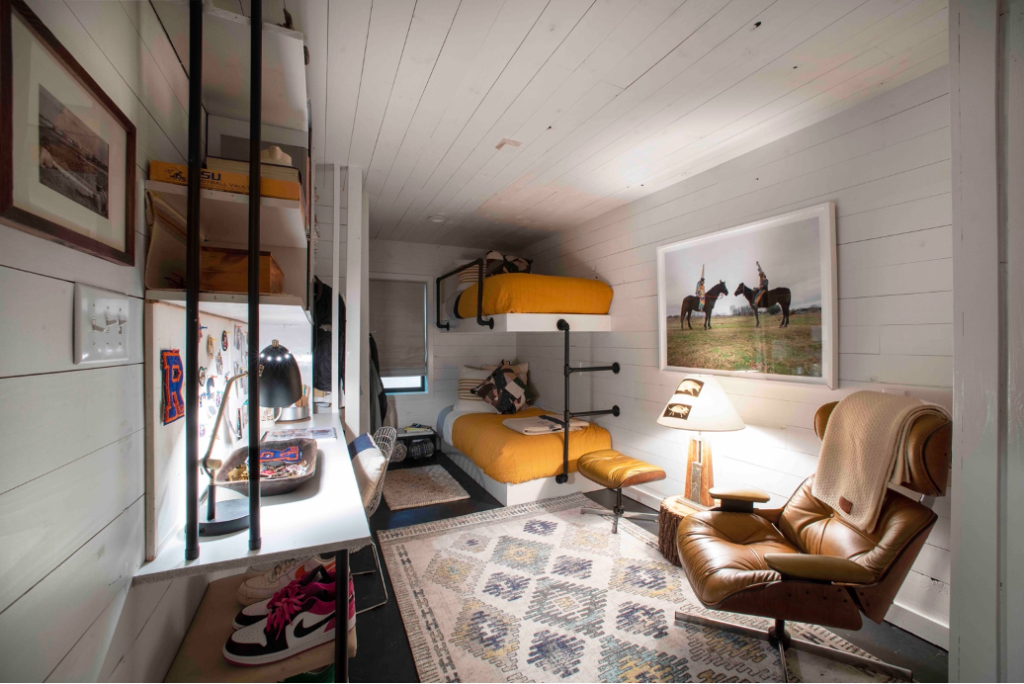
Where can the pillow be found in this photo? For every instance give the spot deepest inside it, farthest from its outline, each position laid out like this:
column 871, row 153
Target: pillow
column 369, row 465
column 496, row 263
column 522, row 370
column 503, row 390
column 469, row 379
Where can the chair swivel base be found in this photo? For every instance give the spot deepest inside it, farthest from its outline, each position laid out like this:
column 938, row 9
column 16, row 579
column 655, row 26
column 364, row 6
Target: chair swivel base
column 652, row 517
column 781, row 639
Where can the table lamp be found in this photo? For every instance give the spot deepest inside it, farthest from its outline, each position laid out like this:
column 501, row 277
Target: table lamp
column 700, row 405
column 280, row 385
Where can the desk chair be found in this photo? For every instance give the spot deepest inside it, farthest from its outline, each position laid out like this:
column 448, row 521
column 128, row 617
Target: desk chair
column 803, row 562
column 371, row 486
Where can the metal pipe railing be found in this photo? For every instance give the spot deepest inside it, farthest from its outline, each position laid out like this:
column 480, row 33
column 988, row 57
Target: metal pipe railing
column 479, row 263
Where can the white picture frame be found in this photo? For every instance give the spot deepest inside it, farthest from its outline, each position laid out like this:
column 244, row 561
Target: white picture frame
column 789, row 243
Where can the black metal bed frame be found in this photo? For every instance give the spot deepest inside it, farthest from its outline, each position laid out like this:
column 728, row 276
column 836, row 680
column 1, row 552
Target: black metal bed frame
column 568, row 370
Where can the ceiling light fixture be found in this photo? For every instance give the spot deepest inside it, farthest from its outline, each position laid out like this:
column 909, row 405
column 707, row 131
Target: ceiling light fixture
column 437, row 219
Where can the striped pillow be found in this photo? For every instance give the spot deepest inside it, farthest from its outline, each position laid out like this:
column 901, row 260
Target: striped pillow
column 469, row 379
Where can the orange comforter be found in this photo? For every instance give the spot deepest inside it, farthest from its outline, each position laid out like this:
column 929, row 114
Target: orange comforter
column 510, row 457
column 529, row 293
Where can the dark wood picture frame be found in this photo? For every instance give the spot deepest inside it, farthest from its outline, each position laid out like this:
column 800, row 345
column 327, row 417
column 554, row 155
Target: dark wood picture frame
column 22, row 219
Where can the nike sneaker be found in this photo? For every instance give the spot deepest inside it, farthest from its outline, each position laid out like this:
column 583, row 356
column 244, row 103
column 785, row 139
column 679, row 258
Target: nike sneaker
column 320, row 580
column 260, row 588
column 295, row 624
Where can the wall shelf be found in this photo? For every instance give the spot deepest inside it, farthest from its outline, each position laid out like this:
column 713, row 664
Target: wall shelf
column 274, row 309
column 224, row 216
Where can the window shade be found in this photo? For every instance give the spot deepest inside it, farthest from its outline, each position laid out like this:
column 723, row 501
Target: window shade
column 399, row 326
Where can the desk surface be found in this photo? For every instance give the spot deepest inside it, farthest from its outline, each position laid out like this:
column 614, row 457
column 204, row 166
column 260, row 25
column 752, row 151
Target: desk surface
column 324, row 515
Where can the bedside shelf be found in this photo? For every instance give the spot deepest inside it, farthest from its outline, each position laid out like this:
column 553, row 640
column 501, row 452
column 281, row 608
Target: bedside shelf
column 280, row 309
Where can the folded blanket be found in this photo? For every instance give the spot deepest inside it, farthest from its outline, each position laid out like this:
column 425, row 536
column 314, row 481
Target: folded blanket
column 863, row 450
column 539, row 425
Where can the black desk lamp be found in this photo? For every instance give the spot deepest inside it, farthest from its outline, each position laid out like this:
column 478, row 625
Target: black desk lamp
column 280, row 385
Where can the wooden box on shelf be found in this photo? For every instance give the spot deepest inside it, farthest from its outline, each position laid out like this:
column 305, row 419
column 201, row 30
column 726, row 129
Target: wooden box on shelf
column 223, row 269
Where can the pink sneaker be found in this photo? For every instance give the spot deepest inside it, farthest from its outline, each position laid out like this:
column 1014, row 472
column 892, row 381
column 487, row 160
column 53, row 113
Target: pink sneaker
column 260, row 588
column 320, row 580
column 294, row 625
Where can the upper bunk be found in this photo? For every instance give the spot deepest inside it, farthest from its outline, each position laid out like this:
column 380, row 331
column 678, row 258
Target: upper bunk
column 519, row 302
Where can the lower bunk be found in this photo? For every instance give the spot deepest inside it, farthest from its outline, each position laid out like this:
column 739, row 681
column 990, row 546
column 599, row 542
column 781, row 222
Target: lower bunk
column 516, row 468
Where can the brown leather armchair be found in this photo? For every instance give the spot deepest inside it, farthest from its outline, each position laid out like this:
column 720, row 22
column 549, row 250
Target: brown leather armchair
column 802, row 562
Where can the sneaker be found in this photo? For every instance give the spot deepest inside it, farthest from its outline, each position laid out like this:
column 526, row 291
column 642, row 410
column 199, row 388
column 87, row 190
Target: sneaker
column 260, row 588
column 296, row 624
column 320, row 580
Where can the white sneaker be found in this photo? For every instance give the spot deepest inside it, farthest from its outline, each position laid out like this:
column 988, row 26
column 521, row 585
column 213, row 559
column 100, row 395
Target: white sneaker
column 264, row 586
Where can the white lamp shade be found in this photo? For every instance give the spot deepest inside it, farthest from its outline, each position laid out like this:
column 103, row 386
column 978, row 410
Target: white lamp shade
column 700, row 404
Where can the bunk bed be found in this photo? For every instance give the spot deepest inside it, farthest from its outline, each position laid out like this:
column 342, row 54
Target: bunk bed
column 522, row 302
column 517, row 468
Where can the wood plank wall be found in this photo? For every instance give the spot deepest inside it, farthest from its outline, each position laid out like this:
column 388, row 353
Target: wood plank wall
column 71, row 508
column 886, row 164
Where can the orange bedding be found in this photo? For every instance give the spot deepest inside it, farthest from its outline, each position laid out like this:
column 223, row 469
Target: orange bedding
column 530, row 293
column 510, row 457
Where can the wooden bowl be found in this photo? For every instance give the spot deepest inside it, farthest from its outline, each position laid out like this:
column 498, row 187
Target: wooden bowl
column 307, row 454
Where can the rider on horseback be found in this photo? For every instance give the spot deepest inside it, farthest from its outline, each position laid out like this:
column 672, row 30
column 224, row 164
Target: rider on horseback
column 762, row 287
column 700, row 288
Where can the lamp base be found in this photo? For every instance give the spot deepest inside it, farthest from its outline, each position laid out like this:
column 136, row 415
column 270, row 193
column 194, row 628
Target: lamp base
column 699, row 473
column 232, row 516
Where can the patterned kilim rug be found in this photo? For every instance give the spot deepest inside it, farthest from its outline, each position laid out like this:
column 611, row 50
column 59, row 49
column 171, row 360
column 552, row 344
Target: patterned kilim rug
column 423, row 486
column 538, row 592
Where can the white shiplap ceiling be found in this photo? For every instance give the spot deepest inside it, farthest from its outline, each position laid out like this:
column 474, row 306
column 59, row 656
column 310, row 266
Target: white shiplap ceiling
column 611, row 100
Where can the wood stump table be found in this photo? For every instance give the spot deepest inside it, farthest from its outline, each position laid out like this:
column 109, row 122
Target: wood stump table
column 673, row 509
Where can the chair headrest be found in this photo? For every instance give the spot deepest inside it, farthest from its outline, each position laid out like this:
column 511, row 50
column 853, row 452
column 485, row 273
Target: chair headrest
column 929, row 447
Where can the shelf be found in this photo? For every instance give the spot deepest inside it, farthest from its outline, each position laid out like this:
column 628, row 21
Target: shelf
column 200, row 657
column 224, row 216
column 226, row 65
column 527, row 322
column 274, row 309
column 324, row 515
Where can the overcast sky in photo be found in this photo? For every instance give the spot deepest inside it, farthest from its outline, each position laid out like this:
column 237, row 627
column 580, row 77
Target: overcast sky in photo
column 790, row 256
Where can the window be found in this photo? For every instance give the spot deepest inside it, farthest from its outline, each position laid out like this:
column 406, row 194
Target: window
column 398, row 321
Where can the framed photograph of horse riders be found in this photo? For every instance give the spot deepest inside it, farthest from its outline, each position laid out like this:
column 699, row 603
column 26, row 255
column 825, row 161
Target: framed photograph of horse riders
column 67, row 157
column 755, row 301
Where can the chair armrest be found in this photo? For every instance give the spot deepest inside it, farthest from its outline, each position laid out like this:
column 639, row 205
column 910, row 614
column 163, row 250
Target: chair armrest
column 748, row 495
column 821, row 568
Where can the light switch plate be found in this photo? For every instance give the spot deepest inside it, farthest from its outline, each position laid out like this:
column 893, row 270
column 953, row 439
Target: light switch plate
column 101, row 325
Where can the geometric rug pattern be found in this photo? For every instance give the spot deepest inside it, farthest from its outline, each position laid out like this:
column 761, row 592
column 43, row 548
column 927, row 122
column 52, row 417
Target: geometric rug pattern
column 421, row 486
column 539, row 593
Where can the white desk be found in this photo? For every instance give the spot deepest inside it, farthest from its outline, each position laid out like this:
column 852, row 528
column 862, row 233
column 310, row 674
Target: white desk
column 324, row 515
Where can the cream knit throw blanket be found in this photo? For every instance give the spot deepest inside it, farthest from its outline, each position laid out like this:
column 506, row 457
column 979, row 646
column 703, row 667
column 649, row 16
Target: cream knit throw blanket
column 863, row 450
column 535, row 425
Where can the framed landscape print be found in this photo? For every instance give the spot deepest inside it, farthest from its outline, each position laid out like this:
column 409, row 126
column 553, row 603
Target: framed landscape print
column 67, row 162
column 758, row 300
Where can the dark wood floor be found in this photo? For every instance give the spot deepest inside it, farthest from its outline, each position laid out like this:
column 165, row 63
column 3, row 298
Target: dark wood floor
column 384, row 654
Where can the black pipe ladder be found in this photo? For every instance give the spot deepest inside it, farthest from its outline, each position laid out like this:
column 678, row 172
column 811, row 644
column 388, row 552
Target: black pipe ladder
column 568, row 415
column 195, row 118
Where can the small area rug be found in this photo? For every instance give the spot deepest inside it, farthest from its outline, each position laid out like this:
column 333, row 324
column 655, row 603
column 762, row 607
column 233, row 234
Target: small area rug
column 538, row 592
column 422, row 486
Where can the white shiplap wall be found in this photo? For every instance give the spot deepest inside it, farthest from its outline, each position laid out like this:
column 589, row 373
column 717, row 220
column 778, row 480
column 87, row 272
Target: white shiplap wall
column 886, row 164
column 71, row 500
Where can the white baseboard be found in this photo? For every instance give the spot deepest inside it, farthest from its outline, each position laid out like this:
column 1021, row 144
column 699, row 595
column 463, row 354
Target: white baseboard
column 927, row 628
column 648, row 497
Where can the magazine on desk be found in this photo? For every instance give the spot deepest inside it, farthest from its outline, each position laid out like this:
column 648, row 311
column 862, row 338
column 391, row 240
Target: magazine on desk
column 318, row 434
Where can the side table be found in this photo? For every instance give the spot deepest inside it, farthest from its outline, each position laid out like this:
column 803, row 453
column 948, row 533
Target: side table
column 673, row 509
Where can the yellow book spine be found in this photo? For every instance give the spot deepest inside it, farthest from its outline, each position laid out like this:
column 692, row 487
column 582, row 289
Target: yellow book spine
column 224, row 181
